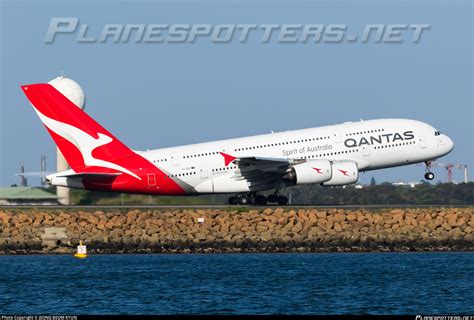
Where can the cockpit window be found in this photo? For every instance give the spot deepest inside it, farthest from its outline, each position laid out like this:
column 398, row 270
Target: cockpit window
column 437, row 133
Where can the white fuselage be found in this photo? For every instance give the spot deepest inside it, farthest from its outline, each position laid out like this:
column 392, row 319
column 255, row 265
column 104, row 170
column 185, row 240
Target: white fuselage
column 373, row 144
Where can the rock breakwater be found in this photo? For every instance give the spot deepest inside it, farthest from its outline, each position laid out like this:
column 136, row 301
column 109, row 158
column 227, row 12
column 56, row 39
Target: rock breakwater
column 35, row 231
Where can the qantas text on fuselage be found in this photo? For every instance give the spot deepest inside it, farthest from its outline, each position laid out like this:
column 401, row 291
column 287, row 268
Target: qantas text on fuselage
column 330, row 155
column 379, row 139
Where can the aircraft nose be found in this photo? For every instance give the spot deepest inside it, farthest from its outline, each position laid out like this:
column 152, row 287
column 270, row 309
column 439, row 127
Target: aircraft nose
column 448, row 143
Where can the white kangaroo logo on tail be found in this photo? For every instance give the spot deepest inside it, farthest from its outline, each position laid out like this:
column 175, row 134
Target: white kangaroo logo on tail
column 84, row 142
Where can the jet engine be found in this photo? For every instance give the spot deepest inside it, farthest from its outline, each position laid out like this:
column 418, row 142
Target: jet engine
column 312, row 171
column 343, row 172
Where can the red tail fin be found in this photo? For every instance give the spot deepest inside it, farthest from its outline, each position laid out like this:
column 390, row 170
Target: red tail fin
column 83, row 142
column 90, row 148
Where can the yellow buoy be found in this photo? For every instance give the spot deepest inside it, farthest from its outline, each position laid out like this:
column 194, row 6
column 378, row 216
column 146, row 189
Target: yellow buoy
column 81, row 251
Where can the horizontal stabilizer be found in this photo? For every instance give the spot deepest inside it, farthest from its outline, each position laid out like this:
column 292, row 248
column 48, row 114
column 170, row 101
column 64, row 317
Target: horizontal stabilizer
column 34, row 174
column 89, row 174
column 71, row 179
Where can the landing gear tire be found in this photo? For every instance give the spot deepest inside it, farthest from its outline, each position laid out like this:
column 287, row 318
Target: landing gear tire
column 243, row 200
column 261, row 200
column 282, row 200
column 273, row 198
column 252, row 199
column 429, row 176
column 233, row 200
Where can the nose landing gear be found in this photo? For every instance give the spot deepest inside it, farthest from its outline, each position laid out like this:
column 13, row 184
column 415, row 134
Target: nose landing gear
column 429, row 175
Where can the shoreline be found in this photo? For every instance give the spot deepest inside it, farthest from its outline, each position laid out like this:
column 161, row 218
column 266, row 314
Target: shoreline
column 237, row 252
column 215, row 253
column 25, row 231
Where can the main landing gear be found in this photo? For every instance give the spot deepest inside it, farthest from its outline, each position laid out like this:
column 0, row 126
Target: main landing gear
column 253, row 198
column 429, row 175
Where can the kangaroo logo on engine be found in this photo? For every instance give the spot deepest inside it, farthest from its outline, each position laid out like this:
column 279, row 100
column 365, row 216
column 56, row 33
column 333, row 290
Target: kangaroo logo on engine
column 382, row 138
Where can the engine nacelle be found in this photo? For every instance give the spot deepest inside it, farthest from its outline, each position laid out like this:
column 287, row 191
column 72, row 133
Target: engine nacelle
column 313, row 171
column 343, row 172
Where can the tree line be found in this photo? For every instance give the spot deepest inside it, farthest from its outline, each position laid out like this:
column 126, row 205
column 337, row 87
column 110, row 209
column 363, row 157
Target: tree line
column 386, row 193
column 373, row 194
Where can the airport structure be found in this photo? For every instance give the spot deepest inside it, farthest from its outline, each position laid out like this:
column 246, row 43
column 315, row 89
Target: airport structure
column 449, row 170
column 26, row 196
column 73, row 91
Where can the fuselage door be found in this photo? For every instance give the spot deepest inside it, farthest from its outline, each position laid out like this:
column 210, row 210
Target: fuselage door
column 227, row 149
column 204, row 172
column 151, row 179
column 422, row 142
column 337, row 135
column 174, row 159
column 366, row 150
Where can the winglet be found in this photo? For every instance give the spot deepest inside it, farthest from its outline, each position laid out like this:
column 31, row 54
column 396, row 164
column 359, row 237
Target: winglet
column 227, row 158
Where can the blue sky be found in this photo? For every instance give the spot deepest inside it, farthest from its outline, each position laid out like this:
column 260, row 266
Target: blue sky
column 158, row 95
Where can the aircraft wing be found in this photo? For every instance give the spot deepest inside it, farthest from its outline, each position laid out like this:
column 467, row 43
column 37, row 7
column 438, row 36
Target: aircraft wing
column 258, row 171
column 262, row 160
column 245, row 161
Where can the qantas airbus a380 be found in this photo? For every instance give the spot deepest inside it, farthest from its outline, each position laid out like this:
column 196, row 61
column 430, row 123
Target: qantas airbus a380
column 330, row 155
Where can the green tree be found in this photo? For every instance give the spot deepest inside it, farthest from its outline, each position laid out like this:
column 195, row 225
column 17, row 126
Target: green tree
column 373, row 182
